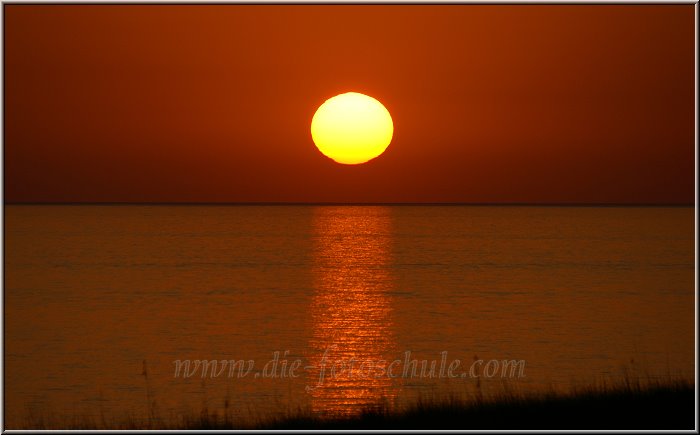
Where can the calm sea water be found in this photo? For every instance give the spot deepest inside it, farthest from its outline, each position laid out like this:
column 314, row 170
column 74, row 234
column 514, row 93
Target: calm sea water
column 101, row 300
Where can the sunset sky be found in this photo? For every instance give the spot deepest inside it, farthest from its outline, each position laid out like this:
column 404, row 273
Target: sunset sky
column 490, row 104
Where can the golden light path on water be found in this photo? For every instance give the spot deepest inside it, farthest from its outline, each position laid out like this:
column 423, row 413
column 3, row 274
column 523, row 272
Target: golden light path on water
column 352, row 338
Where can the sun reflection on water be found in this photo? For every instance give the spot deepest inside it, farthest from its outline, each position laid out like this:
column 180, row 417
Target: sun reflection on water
column 351, row 311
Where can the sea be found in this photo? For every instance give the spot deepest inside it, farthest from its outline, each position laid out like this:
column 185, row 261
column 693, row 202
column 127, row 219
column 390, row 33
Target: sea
column 155, row 312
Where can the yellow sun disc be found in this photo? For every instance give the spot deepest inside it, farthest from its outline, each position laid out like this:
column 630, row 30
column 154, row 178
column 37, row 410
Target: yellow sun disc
column 352, row 128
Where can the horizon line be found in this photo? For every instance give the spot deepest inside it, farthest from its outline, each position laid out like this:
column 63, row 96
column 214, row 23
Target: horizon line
column 319, row 203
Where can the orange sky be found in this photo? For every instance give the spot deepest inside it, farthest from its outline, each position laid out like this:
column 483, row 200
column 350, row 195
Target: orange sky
column 543, row 104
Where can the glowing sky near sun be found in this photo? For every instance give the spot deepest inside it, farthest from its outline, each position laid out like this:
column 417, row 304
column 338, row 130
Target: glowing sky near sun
column 490, row 103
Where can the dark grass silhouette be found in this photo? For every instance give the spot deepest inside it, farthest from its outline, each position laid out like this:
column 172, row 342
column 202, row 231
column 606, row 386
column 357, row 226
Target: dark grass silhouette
column 658, row 407
column 625, row 405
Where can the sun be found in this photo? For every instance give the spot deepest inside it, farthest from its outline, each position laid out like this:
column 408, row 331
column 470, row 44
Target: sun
column 352, row 128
